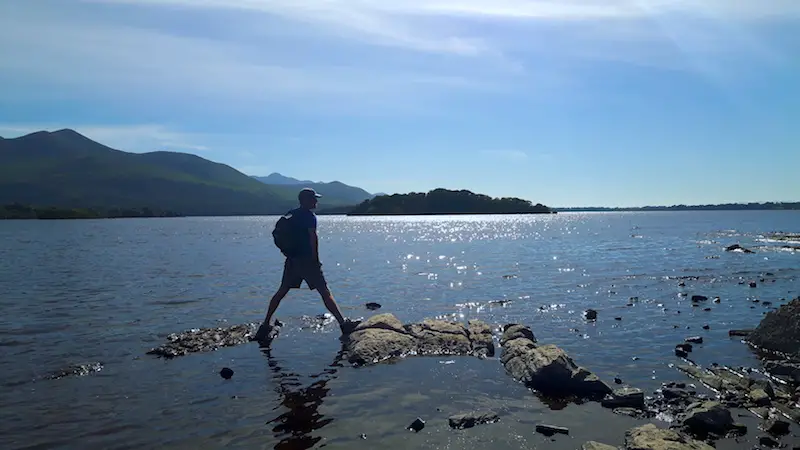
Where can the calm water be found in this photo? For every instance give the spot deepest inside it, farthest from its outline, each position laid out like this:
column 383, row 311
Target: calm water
column 109, row 290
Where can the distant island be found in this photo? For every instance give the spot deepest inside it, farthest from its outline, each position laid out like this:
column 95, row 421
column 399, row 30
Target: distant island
column 766, row 206
column 444, row 201
column 17, row 211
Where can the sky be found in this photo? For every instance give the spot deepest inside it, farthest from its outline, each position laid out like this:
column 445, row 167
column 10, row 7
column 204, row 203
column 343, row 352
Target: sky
column 563, row 102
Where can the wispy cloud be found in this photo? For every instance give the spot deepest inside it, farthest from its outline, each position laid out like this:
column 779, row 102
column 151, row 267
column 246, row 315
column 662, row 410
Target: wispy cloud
column 132, row 138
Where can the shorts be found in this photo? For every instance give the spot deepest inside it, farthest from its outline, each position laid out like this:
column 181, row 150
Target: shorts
column 295, row 270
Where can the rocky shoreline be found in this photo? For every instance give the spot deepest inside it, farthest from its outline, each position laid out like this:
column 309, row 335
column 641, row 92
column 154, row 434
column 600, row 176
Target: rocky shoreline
column 695, row 420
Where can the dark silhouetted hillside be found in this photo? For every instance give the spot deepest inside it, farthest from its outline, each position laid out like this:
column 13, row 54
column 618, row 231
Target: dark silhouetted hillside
column 444, row 201
column 65, row 169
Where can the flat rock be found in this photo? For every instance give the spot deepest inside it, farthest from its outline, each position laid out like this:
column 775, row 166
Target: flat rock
column 75, row 370
column 549, row 430
column 383, row 337
column 204, row 340
column 779, row 330
column 650, row 437
column 469, row 420
column 547, row 368
column 594, row 445
column 626, row 397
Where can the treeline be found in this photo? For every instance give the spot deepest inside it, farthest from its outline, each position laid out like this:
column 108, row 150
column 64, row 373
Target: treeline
column 719, row 207
column 444, row 201
column 20, row 211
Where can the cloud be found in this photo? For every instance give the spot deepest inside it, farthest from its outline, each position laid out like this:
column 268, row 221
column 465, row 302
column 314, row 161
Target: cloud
column 131, row 138
column 340, row 56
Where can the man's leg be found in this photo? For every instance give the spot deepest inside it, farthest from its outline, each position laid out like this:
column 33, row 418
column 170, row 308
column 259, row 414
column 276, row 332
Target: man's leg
column 276, row 301
column 316, row 280
column 330, row 303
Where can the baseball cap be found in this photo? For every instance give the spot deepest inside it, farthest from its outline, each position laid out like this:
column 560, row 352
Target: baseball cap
column 308, row 192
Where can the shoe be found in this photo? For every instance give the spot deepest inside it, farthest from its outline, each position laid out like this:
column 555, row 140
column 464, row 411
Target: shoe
column 264, row 333
column 349, row 326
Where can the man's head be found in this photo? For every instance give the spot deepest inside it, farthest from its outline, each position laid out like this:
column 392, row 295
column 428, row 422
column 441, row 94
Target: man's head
column 308, row 198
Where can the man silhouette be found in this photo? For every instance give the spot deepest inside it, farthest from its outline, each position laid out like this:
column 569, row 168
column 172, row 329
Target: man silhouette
column 304, row 265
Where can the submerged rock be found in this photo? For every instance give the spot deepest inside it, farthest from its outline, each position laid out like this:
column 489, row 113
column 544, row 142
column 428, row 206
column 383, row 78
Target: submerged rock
column 383, row 337
column 204, row 339
column 737, row 248
column 75, row 370
column 547, row 368
column 593, row 445
column 650, row 437
column 779, row 330
column 469, row 420
column 417, row 425
column 372, row 306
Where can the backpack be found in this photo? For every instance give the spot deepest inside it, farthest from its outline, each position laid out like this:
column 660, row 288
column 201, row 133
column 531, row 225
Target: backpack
column 285, row 235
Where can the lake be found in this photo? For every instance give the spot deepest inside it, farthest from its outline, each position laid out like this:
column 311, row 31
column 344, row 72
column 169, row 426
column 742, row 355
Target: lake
column 109, row 290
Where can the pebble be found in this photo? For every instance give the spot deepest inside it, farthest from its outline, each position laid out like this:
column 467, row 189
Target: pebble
column 226, row 373
column 417, row 425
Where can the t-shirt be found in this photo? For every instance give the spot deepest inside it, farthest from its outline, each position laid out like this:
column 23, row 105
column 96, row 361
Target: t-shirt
column 303, row 219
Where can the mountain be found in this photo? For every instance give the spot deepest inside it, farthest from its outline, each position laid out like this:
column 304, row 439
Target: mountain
column 341, row 192
column 66, row 169
column 276, row 178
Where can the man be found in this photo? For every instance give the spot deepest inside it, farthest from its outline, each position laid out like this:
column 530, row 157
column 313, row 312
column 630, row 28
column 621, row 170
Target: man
column 304, row 264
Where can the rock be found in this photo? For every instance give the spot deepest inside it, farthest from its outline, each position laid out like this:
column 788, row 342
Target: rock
column 417, row 425
column 75, row 370
column 650, row 437
column 787, row 369
column 737, row 248
column 685, row 347
column 759, row 397
column 779, row 330
column 516, row 331
column 764, row 385
column 226, row 373
column 695, row 340
column 548, row 369
column 372, row 306
column 383, row 337
column 681, row 353
column 549, row 430
column 739, row 332
column 590, row 314
column 776, row 426
column 753, row 284
column 768, row 441
column 204, row 340
column 617, row 380
column 699, row 298
column 708, row 417
column 593, row 445
column 706, row 327
column 469, row 420
column 626, row 397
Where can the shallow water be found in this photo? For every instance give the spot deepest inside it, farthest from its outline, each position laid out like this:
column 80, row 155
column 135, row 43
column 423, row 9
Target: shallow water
column 109, row 290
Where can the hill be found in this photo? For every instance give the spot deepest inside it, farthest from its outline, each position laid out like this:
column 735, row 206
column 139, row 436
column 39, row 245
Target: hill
column 444, row 201
column 343, row 193
column 716, row 207
column 65, row 169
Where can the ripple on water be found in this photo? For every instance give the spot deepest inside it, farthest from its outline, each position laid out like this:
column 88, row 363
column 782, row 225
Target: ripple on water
column 111, row 290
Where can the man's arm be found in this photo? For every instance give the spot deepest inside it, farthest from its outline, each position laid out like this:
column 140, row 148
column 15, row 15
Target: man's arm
column 312, row 234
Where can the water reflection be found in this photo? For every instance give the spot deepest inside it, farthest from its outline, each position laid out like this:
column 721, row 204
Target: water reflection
column 295, row 427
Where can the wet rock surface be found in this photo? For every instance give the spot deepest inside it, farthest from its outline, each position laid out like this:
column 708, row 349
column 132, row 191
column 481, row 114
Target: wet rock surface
column 779, row 330
column 471, row 419
column 75, row 370
column 594, row 445
column 204, row 340
column 650, row 437
column 547, row 368
column 383, row 337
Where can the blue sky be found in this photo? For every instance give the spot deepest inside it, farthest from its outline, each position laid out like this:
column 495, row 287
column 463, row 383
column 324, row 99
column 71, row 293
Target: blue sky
column 568, row 103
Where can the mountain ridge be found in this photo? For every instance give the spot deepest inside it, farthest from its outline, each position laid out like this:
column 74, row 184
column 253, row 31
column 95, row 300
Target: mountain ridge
column 67, row 169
